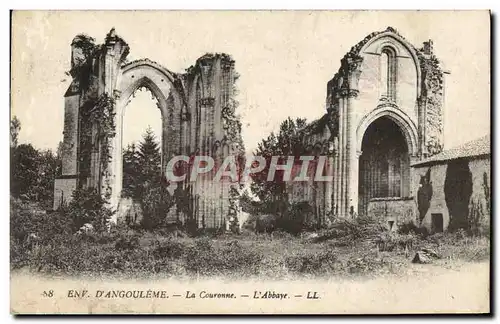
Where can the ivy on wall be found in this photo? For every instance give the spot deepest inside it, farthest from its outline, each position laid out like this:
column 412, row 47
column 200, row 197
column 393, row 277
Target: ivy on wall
column 98, row 128
column 97, row 112
column 232, row 124
column 82, row 62
column 432, row 99
column 103, row 117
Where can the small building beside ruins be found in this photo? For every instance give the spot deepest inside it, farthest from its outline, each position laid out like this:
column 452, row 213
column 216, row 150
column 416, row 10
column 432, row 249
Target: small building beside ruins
column 453, row 188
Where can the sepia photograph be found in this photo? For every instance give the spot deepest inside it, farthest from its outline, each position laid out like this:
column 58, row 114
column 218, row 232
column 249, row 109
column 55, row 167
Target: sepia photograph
column 250, row 162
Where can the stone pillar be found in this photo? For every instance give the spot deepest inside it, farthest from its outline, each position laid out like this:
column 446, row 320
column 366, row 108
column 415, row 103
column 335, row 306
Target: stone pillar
column 343, row 159
column 70, row 135
column 68, row 182
column 115, row 51
column 354, row 180
column 340, row 159
column 336, row 176
column 117, row 153
column 95, row 169
column 329, row 185
column 352, row 155
column 352, row 160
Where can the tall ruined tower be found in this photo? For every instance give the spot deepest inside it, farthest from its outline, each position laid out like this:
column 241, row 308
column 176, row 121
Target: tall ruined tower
column 387, row 104
column 385, row 110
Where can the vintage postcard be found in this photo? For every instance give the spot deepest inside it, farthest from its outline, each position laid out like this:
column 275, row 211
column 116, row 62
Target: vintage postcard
column 250, row 162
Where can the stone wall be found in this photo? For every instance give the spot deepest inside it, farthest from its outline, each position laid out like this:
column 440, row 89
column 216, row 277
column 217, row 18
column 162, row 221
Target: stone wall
column 198, row 112
column 356, row 98
column 395, row 212
column 129, row 212
column 63, row 191
column 437, row 202
column 370, row 95
column 70, row 135
column 480, row 201
column 317, row 140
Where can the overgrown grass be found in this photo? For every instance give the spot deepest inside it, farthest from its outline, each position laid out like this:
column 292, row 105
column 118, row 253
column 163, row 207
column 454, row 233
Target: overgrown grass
column 348, row 248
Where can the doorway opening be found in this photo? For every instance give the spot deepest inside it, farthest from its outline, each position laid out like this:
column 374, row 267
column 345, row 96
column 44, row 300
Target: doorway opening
column 437, row 223
column 384, row 169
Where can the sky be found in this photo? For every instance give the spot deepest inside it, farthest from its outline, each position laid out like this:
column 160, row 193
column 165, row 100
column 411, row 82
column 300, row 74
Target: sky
column 285, row 59
column 140, row 114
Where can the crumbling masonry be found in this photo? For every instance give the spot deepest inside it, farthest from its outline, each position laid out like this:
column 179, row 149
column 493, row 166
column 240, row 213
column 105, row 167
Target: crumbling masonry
column 384, row 112
column 198, row 117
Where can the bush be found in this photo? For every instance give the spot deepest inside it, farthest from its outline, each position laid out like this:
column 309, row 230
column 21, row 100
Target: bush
column 98, row 238
column 297, row 218
column 408, row 228
column 88, row 206
column 461, row 245
column 18, row 254
column 479, row 215
column 266, row 223
column 476, row 251
column 347, row 231
column 29, row 225
column 169, row 249
column 390, row 241
column 155, row 202
column 127, row 242
column 31, row 228
column 313, row 262
column 33, row 173
column 206, row 259
column 282, row 235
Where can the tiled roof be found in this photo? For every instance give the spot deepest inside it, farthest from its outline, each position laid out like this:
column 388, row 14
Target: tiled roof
column 477, row 147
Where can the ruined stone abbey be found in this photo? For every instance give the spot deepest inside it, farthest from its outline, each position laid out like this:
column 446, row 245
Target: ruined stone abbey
column 198, row 118
column 384, row 112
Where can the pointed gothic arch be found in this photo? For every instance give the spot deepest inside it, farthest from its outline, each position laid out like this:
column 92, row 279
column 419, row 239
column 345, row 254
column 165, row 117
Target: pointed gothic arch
column 103, row 79
column 386, row 142
column 161, row 83
column 392, row 36
column 404, row 122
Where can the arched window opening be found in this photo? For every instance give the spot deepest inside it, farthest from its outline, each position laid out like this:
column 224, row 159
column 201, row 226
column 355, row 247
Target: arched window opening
column 388, row 66
column 141, row 113
column 141, row 141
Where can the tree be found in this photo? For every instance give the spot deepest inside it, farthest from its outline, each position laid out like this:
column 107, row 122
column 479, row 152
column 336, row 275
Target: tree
column 141, row 165
column 33, row 173
column 148, row 162
column 142, row 180
column 47, row 171
column 15, row 128
column 131, row 171
column 286, row 143
column 149, row 154
column 88, row 206
column 24, row 170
